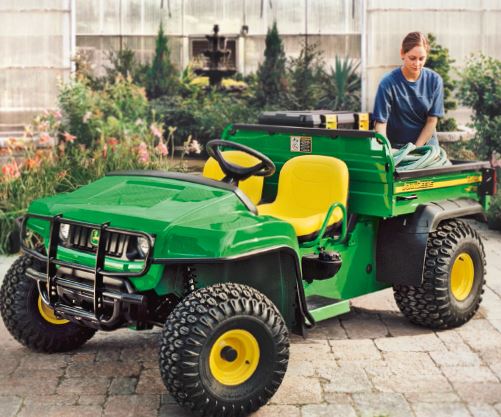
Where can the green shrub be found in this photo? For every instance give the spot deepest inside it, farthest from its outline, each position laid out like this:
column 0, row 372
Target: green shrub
column 69, row 165
column 480, row 89
column 342, row 86
column 459, row 151
column 494, row 213
column 78, row 103
column 122, row 106
column 305, row 74
column 161, row 76
column 203, row 115
column 440, row 61
column 271, row 85
column 115, row 110
column 95, row 132
column 447, row 124
column 124, row 64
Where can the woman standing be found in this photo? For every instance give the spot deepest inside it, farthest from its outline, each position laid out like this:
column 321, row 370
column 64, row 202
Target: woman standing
column 410, row 99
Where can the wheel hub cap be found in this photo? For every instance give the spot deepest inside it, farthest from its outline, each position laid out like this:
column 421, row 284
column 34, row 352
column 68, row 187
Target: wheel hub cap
column 234, row 357
column 462, row 276
column 48, row 314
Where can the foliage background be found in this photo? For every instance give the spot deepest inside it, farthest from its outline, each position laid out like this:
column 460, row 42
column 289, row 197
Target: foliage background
column 136, row 116
column 480, row 89
column 439, row 60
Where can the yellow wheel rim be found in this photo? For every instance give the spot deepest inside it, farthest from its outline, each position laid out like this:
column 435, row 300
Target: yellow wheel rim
column 48, row 314
column 462, row 276
column 234, row 357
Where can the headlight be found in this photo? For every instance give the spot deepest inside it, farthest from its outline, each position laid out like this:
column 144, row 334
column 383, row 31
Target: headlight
column 64, row 231
column 143, row 245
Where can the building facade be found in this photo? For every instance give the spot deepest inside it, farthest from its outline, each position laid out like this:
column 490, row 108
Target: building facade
column 39, row 37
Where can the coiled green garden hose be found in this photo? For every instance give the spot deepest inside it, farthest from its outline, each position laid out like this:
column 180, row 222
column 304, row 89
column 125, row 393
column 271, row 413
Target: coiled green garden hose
column 411, row 157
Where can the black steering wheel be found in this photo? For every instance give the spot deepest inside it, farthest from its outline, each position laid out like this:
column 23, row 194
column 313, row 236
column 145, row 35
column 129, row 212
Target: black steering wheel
column 235, row 173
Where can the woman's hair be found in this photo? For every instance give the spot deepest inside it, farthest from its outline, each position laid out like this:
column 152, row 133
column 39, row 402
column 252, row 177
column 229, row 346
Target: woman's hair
column 415, row 39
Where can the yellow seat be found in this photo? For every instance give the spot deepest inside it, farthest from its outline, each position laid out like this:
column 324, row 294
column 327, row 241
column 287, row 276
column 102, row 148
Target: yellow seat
column 252, row 186
column 308, row 185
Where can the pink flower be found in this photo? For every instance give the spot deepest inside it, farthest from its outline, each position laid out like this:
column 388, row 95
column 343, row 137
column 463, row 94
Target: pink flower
column 45, row 139
column 11, row 171
column 113, row 142
column 142, row 153
column 68, row 137
column 156, row 131
column 162, row 149
column 61, row 175
column 58, row 115
column 32, row 163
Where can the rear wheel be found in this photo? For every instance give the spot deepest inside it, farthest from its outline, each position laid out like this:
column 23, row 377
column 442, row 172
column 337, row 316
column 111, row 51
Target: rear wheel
column 453, row 279
column 29, row 320
column 224, row 350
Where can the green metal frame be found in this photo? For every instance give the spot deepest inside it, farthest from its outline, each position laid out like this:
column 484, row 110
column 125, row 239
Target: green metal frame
column 325, row 223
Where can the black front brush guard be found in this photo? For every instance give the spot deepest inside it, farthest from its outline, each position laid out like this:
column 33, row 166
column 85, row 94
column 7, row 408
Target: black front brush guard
column 97, row 292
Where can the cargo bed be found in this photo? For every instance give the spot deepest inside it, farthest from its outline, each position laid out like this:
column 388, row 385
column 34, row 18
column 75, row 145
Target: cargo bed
column 376, row 187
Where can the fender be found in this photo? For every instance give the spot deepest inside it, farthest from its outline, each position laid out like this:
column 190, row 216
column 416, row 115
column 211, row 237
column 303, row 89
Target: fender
column 274, row 271
column 401, row 241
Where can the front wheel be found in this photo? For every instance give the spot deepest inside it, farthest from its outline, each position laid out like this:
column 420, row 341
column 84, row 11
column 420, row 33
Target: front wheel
column 30, row 320
column 224, row 350
column 453, row 279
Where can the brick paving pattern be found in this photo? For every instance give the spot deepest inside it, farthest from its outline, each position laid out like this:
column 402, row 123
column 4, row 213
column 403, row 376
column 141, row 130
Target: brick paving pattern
column 369, row 363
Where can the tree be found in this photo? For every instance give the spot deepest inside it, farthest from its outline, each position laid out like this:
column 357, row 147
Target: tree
column 439, row 61
column 271, row 74
column 161, row 76
column 306, row 72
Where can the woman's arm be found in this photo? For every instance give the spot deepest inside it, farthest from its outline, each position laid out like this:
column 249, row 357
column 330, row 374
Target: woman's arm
column 427, row 132
column 381, row 128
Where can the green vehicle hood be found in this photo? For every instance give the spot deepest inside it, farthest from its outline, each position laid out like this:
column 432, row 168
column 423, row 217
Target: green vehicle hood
column 189, row 216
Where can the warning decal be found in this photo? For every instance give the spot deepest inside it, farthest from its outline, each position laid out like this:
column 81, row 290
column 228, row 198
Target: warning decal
column 301, row 144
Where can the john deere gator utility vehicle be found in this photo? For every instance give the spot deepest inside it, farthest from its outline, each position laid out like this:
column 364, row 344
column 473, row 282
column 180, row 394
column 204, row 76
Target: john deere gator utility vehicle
column 290, row 219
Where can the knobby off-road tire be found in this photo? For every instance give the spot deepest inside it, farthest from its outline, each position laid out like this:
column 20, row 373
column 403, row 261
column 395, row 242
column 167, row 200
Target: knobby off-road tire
column 454, row 253
column 224, row 350
column 23, row 317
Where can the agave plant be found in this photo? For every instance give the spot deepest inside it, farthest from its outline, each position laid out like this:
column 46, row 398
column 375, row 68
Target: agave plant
column 342, row 86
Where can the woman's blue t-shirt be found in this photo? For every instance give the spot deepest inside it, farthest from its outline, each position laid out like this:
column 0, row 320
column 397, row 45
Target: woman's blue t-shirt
column 405, row 105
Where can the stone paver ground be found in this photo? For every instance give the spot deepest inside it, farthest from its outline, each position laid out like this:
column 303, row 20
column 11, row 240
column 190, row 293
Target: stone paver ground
column 370, row 362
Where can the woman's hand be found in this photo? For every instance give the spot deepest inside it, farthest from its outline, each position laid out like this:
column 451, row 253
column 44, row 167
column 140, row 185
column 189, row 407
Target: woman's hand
column 427, row 132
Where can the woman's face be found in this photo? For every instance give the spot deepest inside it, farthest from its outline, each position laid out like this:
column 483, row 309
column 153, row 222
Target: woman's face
column 414, row 60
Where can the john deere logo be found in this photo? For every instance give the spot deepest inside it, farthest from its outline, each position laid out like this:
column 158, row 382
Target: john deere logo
column 94, row 237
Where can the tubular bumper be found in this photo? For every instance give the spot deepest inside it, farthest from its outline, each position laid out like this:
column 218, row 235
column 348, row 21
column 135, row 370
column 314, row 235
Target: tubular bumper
column 51, row 286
